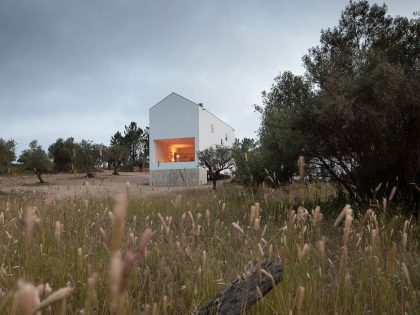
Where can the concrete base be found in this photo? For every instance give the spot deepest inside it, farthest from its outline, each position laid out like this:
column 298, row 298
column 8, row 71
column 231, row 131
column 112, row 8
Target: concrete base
column 178, row 177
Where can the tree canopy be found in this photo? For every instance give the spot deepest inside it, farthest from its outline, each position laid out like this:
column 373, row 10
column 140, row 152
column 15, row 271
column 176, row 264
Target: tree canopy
column 115, row 155
column 216, row 159
column 7, row 155
column 136, row 140
column 35, row 159
column 355, row 114
column 63, row 153
column 88, row 156
column 250, row 168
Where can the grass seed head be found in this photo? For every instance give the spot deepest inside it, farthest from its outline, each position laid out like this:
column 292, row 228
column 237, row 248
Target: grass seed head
column 118, row 221
column 257, row 226
column 404, row 240
column 27, row 298
column 303, row 253
column 301, row 166
column 54, row 297
column 321, row 246
column 406, row 273
column 58, row 229
column 342, row 215
column 237, row 227
column 29, row 220
column 208, row 218
column 145, row 238
column 392, row 193
column 299, row 299
column 252, row 215
column 316, row 218
column 347, row 228
column 115, row 278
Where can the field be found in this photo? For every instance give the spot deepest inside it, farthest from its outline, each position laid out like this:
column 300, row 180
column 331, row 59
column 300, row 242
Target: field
column 122, row 252
column 69, row 186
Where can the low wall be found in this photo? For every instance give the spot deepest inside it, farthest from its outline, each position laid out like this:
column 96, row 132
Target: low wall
column 178, row 177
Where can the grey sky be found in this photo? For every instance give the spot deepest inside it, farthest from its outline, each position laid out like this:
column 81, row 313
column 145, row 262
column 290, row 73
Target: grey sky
column 86, row 68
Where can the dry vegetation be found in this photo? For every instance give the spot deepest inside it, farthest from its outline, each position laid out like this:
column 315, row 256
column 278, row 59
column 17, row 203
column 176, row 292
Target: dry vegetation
column 70, row 186
column 165, row 255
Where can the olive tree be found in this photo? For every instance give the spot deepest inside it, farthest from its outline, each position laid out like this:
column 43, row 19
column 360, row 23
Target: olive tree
column 216, row 159
column 35, row 159
column 7, row 154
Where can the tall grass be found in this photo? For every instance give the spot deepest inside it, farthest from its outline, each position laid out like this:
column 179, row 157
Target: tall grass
column 92, row 256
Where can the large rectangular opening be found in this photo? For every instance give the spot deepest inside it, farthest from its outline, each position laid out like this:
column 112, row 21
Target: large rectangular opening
column 174, row 150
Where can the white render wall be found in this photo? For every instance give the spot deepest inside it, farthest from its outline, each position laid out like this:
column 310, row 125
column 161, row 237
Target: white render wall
column 177, row 117
column 173, row 117
column 220, row 130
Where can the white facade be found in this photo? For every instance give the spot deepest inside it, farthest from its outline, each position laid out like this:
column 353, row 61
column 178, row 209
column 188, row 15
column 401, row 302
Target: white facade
column 179, row 128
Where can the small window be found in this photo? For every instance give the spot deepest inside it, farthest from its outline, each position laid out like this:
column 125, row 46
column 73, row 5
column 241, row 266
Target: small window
column 212, row 128
column 221, row 141
column 226, row 136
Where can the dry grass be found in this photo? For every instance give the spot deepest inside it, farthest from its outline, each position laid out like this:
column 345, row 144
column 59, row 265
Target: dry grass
column 93, row 256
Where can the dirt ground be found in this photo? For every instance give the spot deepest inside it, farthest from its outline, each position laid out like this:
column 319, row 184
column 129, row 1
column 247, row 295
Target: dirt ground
column 104, row 184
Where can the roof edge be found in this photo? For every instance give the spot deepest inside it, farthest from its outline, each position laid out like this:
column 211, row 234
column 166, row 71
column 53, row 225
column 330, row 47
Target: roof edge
column 194, row 104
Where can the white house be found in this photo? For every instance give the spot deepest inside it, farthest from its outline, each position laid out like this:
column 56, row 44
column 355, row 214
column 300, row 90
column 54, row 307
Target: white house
column 179, row 128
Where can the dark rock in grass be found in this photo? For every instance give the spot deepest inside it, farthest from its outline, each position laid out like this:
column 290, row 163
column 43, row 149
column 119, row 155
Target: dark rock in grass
column 238, row 296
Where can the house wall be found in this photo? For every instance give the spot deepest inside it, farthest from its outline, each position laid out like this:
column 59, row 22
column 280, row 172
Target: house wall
column 220, row 130
column 178, row 177
column 173, row 117
column 178, row 117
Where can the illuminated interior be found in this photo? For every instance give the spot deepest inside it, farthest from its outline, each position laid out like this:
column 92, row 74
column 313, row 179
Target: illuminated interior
column 175, row 150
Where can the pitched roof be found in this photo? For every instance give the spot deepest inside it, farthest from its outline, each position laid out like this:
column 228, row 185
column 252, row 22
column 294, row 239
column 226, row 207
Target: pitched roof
column 173, row 93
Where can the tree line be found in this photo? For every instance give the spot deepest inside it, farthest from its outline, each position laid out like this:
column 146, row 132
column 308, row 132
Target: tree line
column 127, row 149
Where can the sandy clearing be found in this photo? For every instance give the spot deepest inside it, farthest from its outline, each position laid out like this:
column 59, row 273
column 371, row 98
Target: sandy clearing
column 64, row 186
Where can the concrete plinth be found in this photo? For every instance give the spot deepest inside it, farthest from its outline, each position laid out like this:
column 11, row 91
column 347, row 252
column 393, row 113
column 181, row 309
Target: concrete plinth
column 178, row 177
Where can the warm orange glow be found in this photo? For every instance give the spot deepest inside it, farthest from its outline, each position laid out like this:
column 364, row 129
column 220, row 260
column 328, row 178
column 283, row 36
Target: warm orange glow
column 174, row 150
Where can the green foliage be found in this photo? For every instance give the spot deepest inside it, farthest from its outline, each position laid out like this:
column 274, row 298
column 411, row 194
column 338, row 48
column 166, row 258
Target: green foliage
column 355, row 115
column 7, row 155
column 249, row 163
column 137, row 142
column 63, row 153
column 35, row 159
column 284, row 113
column 88, row 156
column 216, row 159
column 115, row 155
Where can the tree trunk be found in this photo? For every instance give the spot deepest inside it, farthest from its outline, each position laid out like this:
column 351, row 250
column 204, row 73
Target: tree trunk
column 238, row 297
column 214, row 180
column 38, row 174
column 115, row 170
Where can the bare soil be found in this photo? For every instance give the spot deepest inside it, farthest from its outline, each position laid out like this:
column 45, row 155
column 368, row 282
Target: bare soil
column 104, row 184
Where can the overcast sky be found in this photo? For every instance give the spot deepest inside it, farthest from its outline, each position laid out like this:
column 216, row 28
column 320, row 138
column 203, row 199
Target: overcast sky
column 86, row 68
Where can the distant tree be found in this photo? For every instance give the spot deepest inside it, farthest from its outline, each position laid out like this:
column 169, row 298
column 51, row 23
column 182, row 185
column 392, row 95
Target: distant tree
column 88, row 157
column 117, row 139
column 7, row 155
column 216, row 159
column 35, row 159
column 132, row 137
column 63, row 154
column 137, row 142
column 116, row 155
column 249, row 163
column 143, row 159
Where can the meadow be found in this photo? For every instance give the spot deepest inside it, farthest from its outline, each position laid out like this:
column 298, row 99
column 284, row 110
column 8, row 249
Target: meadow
column 170, row 253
